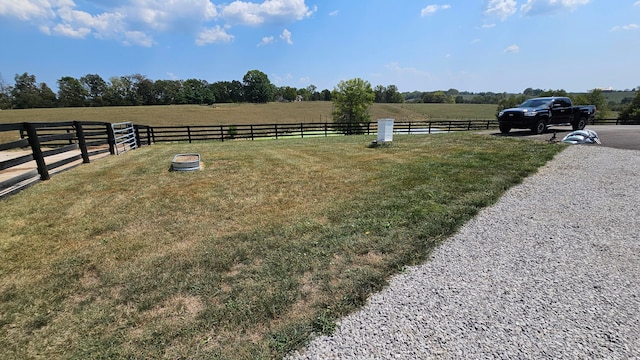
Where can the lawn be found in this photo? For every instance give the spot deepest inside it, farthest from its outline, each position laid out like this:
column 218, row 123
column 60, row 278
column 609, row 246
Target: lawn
column 268, row 244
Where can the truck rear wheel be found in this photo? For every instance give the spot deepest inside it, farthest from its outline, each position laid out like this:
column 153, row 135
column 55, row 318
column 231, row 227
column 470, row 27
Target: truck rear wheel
column 580, row 124
column 540, row 127
column 504, row 128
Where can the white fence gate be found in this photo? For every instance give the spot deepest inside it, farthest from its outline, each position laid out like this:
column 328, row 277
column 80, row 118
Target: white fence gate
column 125, row 137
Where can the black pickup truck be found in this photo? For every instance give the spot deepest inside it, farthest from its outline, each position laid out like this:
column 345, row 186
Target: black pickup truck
column 538, row 114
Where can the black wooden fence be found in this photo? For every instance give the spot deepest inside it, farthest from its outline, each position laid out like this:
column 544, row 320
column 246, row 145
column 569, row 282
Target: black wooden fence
column 48, row 139
column 155, row 134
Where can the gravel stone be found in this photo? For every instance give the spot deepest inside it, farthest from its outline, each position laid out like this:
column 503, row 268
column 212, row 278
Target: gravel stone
column 552, row 270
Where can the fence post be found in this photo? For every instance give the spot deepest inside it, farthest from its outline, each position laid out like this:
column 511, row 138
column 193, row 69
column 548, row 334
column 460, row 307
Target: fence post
column 429, row 127
column 189, row 133
column 111, row 138
column 37, row 151
column 302, row 130
column 276, row 127
column 326, row 129
column 136, row 129
column 469, row 126
column 221, row 133
column 82, row 143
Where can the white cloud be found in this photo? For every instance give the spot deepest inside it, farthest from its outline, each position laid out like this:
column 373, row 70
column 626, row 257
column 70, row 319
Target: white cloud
column 637, row 3
column 213, row 35
column 536, row 7
column 626, row 27
column 286, row 36
column 334, row 13
column 269, row 11
column 68, row 31
column 26, row 9
column 137, row 38
column 488, row 26
column 512, row 49
column 501, row 8
column 168, row 15
column 134, row 21
column 432, row 9
column 266, row 41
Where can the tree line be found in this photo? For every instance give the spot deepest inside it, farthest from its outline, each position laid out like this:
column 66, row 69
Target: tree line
column 92, row 90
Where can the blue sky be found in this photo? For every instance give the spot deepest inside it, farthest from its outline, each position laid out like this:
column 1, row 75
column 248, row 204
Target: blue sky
column 469, row 45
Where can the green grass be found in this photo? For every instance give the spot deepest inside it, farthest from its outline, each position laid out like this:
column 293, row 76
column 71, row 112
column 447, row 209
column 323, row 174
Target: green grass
column 246, row 259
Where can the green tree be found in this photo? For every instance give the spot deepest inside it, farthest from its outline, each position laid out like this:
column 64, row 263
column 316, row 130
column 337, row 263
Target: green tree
column 289, row 93
column 46, row 97
column 236, row 91
column 165, row 92
column 197, row 92
column 71, row 92
column 304, row 94
column 143, row 88
column 595, row 97
column 313, row 91
column 438, row 97
column 325, row 95
column 510, row 102
column 257, row 87
column 96, row 88
column 379, row 93
column 5, row 95
column 392, row 95
column 25, row 93
column 351, row 100
column 631, row 113
column 551, row 92
column 117, row 91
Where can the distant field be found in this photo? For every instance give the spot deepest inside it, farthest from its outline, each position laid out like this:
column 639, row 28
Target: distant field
column 227, row 114
column 230, row 114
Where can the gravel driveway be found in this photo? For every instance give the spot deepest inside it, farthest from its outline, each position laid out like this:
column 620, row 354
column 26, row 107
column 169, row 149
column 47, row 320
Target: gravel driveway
column 551, row 271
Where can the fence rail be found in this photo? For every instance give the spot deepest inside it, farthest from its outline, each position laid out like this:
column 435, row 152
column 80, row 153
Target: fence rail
column 146, row 134
column 51, row 145
column 156, row 134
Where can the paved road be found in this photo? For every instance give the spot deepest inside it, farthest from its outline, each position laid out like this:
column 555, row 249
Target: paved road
column 615, row 136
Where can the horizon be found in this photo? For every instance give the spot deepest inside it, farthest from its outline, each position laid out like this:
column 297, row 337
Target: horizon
column 492, row 46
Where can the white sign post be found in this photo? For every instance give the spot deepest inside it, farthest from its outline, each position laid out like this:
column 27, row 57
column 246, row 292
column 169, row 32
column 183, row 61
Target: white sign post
column 385, row 130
